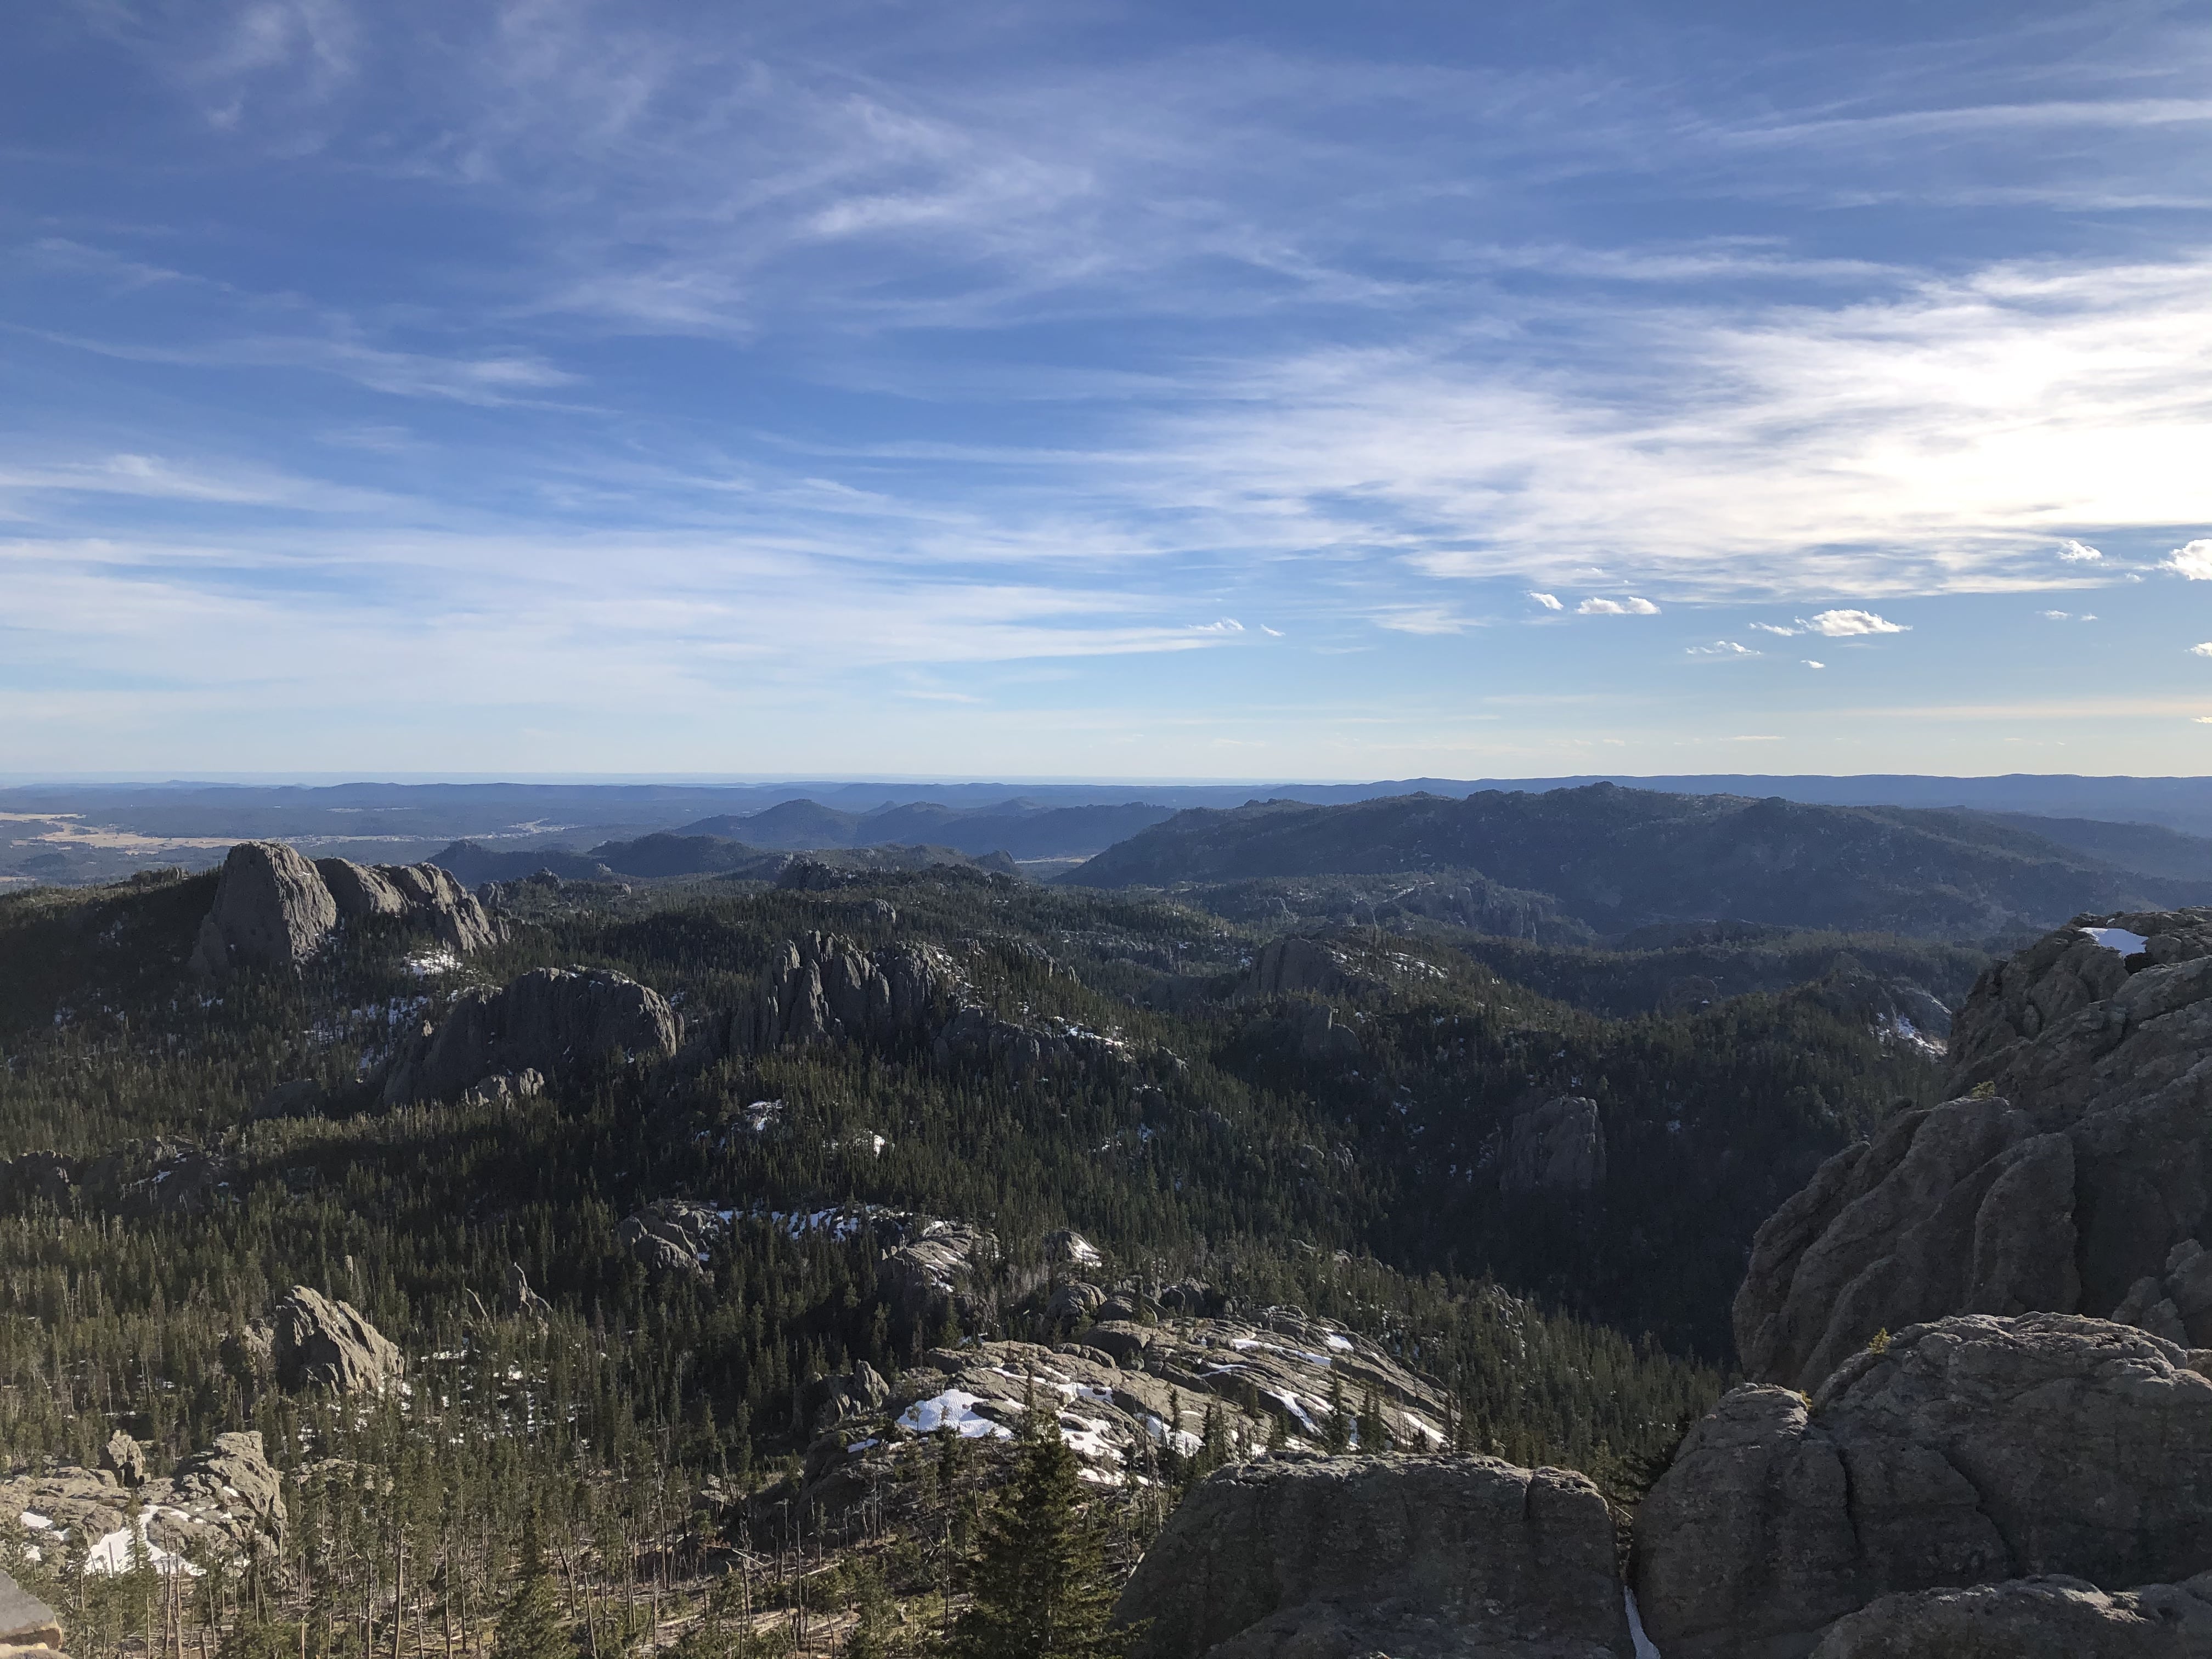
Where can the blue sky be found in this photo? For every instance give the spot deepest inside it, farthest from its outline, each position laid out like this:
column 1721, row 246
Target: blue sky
column 1078, row 390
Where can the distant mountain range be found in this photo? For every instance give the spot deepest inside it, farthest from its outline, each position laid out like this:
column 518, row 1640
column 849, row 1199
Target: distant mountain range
column 1623, row 859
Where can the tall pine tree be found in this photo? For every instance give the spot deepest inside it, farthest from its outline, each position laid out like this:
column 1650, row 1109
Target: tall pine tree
column 1041, row 1588
column 530, row 1624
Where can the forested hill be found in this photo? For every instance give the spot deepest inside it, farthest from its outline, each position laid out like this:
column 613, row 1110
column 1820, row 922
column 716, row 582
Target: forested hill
column 662, row 1171
column 1619, row 859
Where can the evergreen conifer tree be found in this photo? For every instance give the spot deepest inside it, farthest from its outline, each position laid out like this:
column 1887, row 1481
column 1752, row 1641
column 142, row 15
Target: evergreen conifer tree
column 530, row 1624
column 1041, row 1589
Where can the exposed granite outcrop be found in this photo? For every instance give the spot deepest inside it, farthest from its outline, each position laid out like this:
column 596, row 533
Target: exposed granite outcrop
column 550, row 1021
column 2072, row 1163
column 2048, row 1618
column 317, row 1342
column 1420, row 1557
column 1555, row 1147
column 275, row 910
column 1970, row 1450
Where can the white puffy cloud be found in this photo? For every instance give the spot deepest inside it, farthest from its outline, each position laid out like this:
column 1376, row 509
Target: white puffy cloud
column 1226, row 625
column 1843, row 624
column 1770, row 627
column 2075, row 552
column 1549, row 601
column 1809, row 663
column 2203, row 650
column 1722, row 648
column 2055, row 616
column 1629, row 607
column 2192, row 559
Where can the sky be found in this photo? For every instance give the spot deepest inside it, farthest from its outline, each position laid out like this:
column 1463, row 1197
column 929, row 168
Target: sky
column 1073, row 390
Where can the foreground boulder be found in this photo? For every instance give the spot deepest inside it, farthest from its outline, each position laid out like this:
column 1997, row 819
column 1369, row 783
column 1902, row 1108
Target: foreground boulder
column 1300, row 1557
column 271, row 911
column 2067, row 1175
column 317, row 1342
column 1971, row 1450
column 2053, row 1618
column 275, row 910
column 27, row 1625
column 550, row 1021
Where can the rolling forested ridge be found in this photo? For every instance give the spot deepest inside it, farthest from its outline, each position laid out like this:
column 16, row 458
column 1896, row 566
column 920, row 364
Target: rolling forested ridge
column 1523, row 1211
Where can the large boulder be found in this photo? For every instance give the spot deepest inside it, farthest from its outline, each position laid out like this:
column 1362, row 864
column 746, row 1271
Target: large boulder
column 550, row 1021
column 25, row 1622
column 2072, row 1163
column 232, row 1474
column 271, row 911
column 1557, row 1147
column 672, row 1235
column 924, row 1277
column 1301, row 1557
column 317, row 1342
column 2052, row 1618
column 1970, row 1450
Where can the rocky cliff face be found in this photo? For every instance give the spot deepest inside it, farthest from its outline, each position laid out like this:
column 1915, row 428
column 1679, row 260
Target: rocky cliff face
column 274, row 910
column 2072, row 1174
column 1420, row 1557
column 271, row 911
column 1971, row 1450
column 822, row 987
column 1557, row 1147
column 548, row 1021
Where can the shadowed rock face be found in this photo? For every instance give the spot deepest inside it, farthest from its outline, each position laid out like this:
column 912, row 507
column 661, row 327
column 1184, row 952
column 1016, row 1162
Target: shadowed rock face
column 418, row 892
column 1559, row 1147
column 548, row 1021
column 2071, row 1176
column 2053, row 1618
column 1298, row 1557
column 1971, row 1450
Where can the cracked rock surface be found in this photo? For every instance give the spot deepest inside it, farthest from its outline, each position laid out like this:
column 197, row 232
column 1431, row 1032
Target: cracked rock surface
column 1300, row 1557
column 2070, row 1172
column 1971, row 1450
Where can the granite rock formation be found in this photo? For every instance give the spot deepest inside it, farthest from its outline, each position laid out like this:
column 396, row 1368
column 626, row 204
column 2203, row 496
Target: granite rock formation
column 1301, row 1556
column 1971, row 1450
column 2073, row 1164
column 28, row 1627
column 550, row 1021
column 822, row 987
column 672, row 1235
column 317, row 1342
column 271, row 911
column 412, row 892
column 274, row 910
column 1556, row 1147
column 924, row 1277
column 2049, row 1618
column 221, row 1500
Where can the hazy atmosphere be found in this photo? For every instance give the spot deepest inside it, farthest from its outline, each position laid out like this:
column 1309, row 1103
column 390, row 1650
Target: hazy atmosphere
column 1104, row 390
